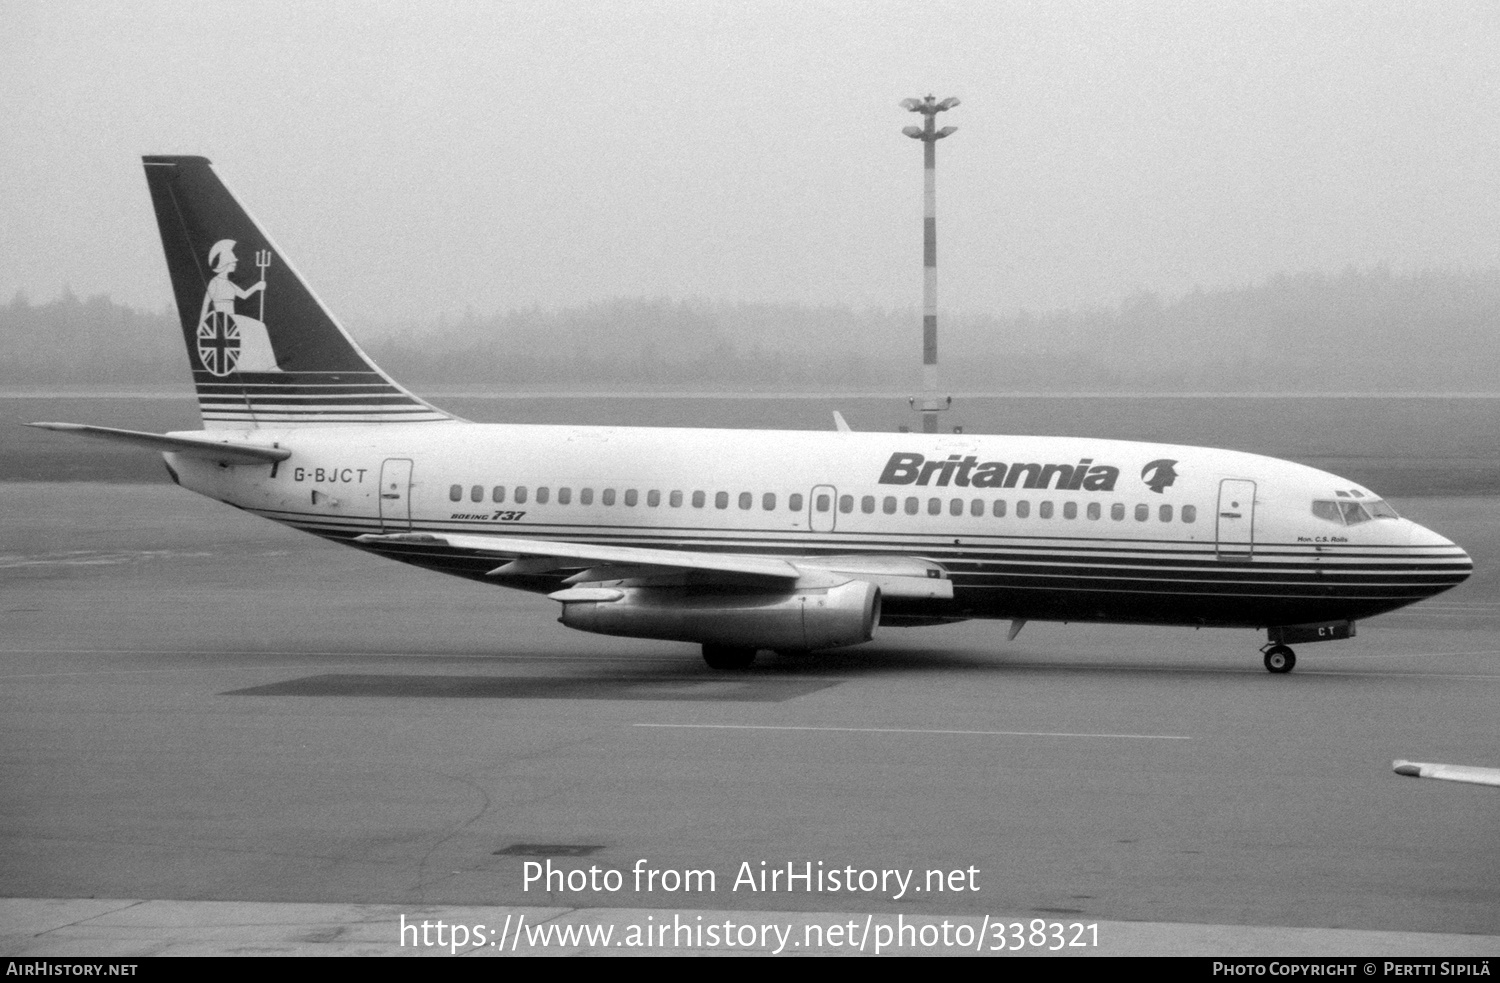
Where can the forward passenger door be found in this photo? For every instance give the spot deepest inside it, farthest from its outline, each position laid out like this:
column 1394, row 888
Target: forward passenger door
column 1236, row 519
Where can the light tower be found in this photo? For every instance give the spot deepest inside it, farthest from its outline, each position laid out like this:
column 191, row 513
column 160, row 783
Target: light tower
column 929, row 135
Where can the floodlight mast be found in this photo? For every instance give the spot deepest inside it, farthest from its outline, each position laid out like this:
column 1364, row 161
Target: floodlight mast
column 929, row 134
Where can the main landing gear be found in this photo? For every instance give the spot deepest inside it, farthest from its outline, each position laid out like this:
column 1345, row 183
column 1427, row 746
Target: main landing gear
column 727, row 657
column 1279, row 658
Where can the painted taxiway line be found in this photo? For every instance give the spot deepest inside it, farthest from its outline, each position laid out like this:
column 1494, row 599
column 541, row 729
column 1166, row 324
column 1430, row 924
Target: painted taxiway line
column 122, row 929
column 921, row 730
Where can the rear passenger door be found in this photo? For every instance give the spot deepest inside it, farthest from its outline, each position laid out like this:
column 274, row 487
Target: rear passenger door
column 395, row 495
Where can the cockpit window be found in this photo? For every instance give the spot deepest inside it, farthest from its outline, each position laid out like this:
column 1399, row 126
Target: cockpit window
column 1347, row 513
column 1354, row 513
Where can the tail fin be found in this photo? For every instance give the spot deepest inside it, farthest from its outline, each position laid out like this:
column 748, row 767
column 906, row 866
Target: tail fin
column 265, row 351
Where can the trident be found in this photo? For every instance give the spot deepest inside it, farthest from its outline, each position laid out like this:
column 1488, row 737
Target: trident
column 263, row 260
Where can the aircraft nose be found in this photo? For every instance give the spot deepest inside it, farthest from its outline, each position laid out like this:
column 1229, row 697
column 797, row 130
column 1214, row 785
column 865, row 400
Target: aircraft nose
column 1456, row 564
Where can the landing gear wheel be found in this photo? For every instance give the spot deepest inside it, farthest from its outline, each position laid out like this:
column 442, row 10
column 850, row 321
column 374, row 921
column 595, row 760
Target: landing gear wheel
column 1280, row 658
column 727, row 657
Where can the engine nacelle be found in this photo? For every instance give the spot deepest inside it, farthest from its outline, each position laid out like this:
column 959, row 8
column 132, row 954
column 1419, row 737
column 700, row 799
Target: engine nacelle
column 819, row 618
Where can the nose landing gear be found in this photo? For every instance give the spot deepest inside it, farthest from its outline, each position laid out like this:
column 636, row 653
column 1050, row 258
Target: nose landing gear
column 1279, row 658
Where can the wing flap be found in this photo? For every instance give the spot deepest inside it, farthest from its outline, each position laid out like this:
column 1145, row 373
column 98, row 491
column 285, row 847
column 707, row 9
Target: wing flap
column 207, row 448
column 896, row 576
column 598, row 554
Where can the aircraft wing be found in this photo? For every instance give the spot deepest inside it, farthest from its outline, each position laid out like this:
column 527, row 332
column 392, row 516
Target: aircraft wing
column 207, row 448
column 1452, row 773
column 896, row 576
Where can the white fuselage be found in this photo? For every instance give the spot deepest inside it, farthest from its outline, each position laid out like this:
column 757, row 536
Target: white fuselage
column 1047, row 528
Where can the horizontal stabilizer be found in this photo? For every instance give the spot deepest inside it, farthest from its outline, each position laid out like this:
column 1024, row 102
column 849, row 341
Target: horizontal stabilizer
column 206, row 448
column 1451, row 773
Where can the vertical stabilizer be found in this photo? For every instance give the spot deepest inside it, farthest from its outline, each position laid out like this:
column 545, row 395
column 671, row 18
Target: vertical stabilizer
column 264, row 350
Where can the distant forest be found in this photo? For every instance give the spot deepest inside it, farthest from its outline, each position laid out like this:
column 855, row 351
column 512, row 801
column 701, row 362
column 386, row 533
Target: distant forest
column 1362, row 330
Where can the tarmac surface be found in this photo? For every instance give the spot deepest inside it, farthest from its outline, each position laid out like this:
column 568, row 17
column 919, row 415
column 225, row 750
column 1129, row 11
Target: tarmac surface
column 197, row 706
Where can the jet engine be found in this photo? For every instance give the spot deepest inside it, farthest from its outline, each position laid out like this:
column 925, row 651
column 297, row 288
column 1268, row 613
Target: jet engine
column 746, row 618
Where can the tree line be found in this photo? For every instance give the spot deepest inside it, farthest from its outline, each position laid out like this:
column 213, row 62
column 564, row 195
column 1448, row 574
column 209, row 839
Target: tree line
column 1360, row 330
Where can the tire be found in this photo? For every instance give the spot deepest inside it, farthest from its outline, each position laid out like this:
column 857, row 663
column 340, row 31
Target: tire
column 1280, row 658
column 727, row 657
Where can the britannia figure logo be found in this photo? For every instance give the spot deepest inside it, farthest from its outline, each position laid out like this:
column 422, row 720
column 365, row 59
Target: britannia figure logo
column 227, row 340
column 1159, row 474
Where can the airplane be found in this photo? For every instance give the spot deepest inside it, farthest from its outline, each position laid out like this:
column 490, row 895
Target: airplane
column 747, row 540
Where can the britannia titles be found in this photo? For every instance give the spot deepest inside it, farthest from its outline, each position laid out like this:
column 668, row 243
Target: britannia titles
column 968, row 472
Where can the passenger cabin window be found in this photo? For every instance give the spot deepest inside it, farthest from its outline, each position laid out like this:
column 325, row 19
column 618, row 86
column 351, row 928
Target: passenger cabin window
column 911, row 506
column 456, row 493
column 1166, row 513
column 976, row 507
column 1190, row 513
column 768, row 501
column 542, row 494
column 520, row 494
column 999, row 509
column 608, row 497
column 956, row 506
column 497, row 494
column 631, row 496
column 867, row 504
column 1023, row 509
column 700, row 499
column 476, row 494
column 794, row 502
column 564, row 496
column 1117, row 511
column 1142, row 513
column 934, row 506
column 747, row 500
column 585, row 496
column 721, row 500
column 675, row 500
column 653, row 498
column 1094, row 511
column 888, row 505
column 846, row 504
column 822, row 503
column 1070, row 510
column 1045, row 511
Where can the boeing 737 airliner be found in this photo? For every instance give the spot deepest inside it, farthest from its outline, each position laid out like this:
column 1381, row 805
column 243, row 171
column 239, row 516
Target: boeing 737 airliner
column 742, row 540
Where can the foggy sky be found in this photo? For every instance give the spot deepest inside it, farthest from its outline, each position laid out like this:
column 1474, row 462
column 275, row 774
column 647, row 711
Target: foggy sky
column 414, row 159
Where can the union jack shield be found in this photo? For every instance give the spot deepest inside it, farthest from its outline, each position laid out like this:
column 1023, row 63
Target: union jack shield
column 219, row 343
